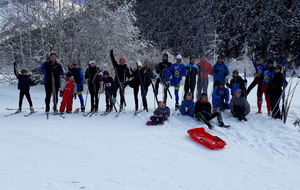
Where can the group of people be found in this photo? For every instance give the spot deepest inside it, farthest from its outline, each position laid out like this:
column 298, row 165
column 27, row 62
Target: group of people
column 269, row 79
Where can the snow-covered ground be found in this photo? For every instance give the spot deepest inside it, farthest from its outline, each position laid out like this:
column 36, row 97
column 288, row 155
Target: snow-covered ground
column 105, row 152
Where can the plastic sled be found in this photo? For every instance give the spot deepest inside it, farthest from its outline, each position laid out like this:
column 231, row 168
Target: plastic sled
column 201, row 136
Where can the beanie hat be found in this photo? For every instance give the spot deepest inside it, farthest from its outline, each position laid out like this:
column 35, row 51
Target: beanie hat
column 203, row 94
column 165, row 55
column 239, row 91
column 122, row 59
column 92, row 61
column 278, row 67
column 192, row 57
column 52, row 54
column 235, row 71
column 221, row 83
column 178, row 57
column 220, row 57
column 270, row 61
column 69, row 74
column 105, row 73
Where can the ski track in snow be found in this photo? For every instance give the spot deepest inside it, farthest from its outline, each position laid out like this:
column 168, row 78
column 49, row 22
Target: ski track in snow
column 108, row 152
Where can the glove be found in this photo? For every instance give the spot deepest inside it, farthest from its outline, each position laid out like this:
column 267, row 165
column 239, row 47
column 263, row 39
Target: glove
column 216, row 71
column 15, row 64
column 61, row 93
column 225, row 74
column 111, row 51
column 81, row 88
column 74, row 96
column 245, row 81
column 108, row 84
column 100, row 73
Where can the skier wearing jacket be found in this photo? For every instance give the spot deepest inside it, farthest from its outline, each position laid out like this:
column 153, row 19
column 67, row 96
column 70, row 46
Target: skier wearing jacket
column 187, row 106
column 275, row 88
column 205, row 69
column 52, row 72
column 203, row 112
column 220, row 71
column 191, row 76
column 108, row 83
column 220, row 97
column 79, row 79
column 236, row 83
column 67, row 90
column 122, row 74
column 259, row 67
column 93, row 75
column 161, row 71
column 24, row 83
column 174, row 75
column 239, row 106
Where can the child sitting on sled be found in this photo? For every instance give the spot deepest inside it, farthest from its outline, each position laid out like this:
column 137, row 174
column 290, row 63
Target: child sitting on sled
column 67, row 90
column 161, row 114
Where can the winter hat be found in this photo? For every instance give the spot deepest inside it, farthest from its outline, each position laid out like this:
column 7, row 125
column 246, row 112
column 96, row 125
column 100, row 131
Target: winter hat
column 192, row 57
column 178, row 57
column 203, row 94
column 165, row 56
column 92, row 61
column 105, row 73
column 139, row 64
column 220, row 57
column 69, row 74
column 235, row 71
column 122, row 59
column 239, row 91
column 278, row 67
column 270, row 61
column 221, row 83
column 52, row 54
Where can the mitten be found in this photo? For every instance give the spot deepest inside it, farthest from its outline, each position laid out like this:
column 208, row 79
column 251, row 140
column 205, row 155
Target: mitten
column 61, row 93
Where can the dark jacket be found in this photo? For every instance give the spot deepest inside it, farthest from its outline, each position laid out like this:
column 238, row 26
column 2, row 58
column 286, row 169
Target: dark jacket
column 203, row 107
column 191, row 75
column 276, row 84
column 24, row 81
column 236, row 83
column 78, row 75
column 122, row 70
column 162, row 66
column 238, row 104
column 163, row 112
column 109, row 84
column 91, row 74
column 48, row 69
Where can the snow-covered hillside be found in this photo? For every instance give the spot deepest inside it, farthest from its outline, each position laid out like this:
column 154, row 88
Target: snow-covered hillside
column 105, row 152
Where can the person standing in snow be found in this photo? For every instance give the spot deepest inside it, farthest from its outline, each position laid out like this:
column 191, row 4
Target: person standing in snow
column 174, row 75
column 122, row 74
column 191, row 76
column 203, row 112
column 239, row 106
column 108, row 83
column 187, row 106
column 205, row 69
column 237, row 82
column 24, row 83
column 160, row 115
column 161, row 71
column 79, row 79
column 93, row 75
column 220, row 71
column 67, row 90
column 52, row 72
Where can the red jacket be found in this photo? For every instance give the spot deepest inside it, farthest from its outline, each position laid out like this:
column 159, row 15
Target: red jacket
column 68, row 86
column 204, row 69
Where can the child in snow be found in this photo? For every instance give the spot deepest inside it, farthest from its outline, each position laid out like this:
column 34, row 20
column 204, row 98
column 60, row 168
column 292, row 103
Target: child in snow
column 187, row 106
column 161, row 114
column 203, row 112
column 239, row 106
column 67, row 90
column 24, row 83
column 108, row 83
column 220, row 97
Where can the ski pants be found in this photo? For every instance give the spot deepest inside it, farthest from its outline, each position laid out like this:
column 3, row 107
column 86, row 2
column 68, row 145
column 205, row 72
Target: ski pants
column 136, row 100
column 122, row 98
column 275, row 102
column 67, row 101
column 176, row 92
column 94, row 91
column 108, row 100
column 79, row 93
column 48, row 90
column 260, row 93
column 27, row 95
column 165, row 89
column 206, row 119
column 187, row 110
column 202, row 85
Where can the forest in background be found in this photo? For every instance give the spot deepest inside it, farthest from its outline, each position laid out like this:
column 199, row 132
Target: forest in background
column 80, row 30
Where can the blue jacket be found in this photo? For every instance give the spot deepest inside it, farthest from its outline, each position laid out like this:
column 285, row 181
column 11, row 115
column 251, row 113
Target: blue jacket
column 269, row 72
column 220, row 98
column 50, row 69
column 220, row 71
column 175, row 72
column 190, row 104
column 259, row 68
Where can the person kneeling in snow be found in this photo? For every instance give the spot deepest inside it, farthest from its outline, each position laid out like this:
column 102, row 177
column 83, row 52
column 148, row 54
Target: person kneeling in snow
column 203, row 112
column 161, row 114
column 67, row 90
column 239, row 106
column 187, row 106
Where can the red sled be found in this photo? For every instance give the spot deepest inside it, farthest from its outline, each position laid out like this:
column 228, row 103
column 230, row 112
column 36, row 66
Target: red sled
column 201, row 136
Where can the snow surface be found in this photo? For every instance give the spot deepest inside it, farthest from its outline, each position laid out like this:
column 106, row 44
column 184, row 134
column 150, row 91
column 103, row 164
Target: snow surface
column 108, row 152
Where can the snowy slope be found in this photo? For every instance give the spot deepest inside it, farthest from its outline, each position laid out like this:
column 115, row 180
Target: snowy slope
column 104, row 152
